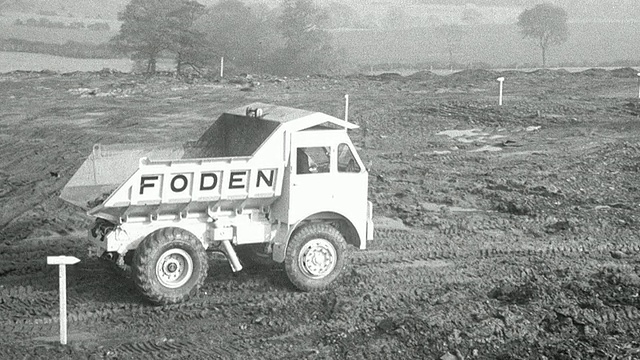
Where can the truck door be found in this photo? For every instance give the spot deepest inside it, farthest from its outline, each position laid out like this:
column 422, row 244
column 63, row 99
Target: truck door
column 325, row 175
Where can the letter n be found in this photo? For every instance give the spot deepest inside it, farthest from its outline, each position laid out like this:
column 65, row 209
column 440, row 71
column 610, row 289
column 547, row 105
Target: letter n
column 263, row 177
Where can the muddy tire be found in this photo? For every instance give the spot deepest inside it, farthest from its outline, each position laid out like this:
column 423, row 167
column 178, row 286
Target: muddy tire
column 315, row 257
column 254, row 256
column 169, row 266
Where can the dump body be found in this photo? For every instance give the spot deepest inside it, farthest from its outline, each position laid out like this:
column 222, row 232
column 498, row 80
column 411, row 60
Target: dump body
column 193, row 185
column 108, row 166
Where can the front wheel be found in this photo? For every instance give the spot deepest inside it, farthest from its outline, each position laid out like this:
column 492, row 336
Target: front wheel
column 315, row 257
column 169, row 266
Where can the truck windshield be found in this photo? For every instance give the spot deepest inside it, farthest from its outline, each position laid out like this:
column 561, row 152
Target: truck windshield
column 313, row 160
column 346, row 161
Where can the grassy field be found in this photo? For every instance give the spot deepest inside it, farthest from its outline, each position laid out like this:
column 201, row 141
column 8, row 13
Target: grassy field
column 12, row 61
column 499, row 45
column 55, row 36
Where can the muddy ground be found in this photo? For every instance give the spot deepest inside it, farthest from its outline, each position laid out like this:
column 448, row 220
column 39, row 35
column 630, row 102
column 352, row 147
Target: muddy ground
column 513, row 237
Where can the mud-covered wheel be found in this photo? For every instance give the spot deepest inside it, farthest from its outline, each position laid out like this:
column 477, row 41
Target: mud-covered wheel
column 315, row 257
column 254, row 255
column 169, row 266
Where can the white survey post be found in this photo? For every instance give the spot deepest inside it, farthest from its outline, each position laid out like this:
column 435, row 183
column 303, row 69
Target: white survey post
column 346, row 107
column 500, row 80
column 62, row 262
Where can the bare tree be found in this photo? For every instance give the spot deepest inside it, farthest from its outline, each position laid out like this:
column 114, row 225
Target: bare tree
column 546, row 24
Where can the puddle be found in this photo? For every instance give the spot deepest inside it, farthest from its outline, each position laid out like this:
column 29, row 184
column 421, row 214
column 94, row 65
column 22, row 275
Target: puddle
column 472, row 136
column 487, row 148
column 462, row 133
column 388, row 223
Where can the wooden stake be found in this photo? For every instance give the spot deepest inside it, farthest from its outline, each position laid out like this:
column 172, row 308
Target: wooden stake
column 62, row 262
column 501, row 80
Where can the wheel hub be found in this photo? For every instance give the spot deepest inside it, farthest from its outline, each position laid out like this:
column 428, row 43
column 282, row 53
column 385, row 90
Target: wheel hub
column 317, row 258
column 174, row 268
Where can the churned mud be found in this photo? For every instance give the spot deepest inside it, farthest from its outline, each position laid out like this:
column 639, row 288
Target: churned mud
column 506, row 232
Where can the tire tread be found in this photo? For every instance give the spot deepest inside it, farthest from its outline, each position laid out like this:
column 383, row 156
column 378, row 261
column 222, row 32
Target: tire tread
column 144, row 256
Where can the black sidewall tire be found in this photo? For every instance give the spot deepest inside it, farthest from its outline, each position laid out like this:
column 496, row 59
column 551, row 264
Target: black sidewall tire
column 149, row 253
column 297, row 242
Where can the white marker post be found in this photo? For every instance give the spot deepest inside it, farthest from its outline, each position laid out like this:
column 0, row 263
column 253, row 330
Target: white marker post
column 638, row 85
column 222, row 67
column 501, row 80
column 62, row 262
column 346, row 107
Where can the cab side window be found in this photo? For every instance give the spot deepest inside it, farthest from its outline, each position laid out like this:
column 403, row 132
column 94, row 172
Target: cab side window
column 313, row 160
column 346, row 161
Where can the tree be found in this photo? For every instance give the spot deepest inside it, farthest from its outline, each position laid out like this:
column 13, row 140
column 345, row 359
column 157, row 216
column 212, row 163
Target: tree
column 239, row 33
column 150, row 27
column 396, row 18
column 471, row 14
column 546, row 24
column 344, row 16
column 453, row 36
column 189, row 44
column 6, row 4
column 307, row 47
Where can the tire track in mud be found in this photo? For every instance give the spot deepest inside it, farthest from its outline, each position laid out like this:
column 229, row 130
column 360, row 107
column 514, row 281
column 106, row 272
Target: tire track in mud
column 25, row 259
column 171, row 348
column 195, row 309
column 402, row 246
column 394, row 248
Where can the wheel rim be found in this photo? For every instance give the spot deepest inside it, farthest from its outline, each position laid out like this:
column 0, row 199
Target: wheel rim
column 317, row 258
column 174, row 268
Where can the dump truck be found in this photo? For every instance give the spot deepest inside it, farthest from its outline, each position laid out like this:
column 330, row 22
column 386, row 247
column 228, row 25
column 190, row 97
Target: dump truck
column 263, row 184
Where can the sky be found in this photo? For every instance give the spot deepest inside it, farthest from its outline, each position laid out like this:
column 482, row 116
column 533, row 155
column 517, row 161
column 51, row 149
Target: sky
column 578, row 10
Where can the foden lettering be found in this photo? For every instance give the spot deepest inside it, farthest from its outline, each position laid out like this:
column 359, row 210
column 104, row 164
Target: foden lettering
column 235, row 178
column 214, row 181
column 144, row 184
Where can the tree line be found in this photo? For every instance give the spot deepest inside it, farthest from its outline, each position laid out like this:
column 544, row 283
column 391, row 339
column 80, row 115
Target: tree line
column 287, row 40
column 46, row 23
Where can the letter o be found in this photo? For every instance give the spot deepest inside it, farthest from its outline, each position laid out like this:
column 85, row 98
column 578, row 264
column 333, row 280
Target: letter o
column 176, row 189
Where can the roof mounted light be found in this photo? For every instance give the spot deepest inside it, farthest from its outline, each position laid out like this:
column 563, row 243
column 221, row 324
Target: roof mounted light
column 256, row 113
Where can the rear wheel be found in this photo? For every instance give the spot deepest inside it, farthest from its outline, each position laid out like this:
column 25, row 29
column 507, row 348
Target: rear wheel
column 169, row 266
column 315, row 257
